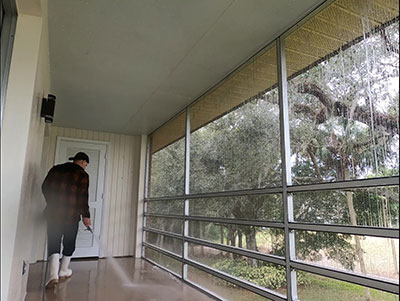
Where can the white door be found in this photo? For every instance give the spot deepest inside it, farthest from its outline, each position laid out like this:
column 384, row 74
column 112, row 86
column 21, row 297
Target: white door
column 86, row 245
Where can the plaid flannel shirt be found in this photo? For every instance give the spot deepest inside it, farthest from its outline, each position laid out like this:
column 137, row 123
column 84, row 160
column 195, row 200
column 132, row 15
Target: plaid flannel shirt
column 66, row 190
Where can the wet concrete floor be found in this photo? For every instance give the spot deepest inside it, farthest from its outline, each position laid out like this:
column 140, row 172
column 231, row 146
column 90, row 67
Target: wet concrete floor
column 96, row 280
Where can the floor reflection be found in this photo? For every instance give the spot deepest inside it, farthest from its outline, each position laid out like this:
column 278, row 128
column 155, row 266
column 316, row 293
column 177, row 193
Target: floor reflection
column 96, row 280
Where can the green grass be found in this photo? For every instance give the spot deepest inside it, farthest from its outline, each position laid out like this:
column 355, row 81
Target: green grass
column 319, row 289
column 326, row 289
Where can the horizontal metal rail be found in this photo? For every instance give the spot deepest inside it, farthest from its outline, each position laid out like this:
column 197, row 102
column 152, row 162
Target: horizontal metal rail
column 359, row 279
column 160, row 215
column 363, row 280
column 239, row 282
column 243, row 252
column 372, row 282
column 203, row 290
column 219, row 220
column 243, row 222
column 162, row 251
column 165, row 233
column 267, row 293
column 165, row 198
column 344, row 229
column 355, row 230
column 353, row 184
column 162, row 267
column 244, row 192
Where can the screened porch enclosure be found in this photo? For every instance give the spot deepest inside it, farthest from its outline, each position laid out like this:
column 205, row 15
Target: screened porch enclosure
column 281, row 182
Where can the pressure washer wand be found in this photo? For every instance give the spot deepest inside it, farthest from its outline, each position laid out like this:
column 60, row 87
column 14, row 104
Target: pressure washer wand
column 89, row 229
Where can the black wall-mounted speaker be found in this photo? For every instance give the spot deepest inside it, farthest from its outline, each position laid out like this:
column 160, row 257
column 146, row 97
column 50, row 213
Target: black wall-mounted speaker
column 48, row 106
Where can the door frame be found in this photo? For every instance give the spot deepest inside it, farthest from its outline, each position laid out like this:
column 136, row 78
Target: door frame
column 105, row 192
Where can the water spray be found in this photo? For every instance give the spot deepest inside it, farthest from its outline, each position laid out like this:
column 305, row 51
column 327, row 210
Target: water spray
column 124, row 277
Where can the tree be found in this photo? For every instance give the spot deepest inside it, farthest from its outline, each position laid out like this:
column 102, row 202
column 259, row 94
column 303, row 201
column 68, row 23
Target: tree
column 350, row 117
column 344, row 126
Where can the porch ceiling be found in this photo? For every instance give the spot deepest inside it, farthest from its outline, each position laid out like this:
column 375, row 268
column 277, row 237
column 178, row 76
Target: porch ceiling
column 128, row 66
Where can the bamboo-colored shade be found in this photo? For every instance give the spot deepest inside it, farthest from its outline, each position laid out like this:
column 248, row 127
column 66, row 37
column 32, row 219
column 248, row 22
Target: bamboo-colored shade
column 258, row 74
column 168, row 133
column 341, row 23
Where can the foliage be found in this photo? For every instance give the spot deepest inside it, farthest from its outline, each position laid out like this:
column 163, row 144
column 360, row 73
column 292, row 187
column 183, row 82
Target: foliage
column 266, row 275
column 377, row 207
column 167, row 170
column 343, row 126
column 240, row 150
column 343, row 116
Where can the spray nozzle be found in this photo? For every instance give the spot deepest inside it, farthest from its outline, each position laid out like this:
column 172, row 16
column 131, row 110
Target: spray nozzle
column 89, row 229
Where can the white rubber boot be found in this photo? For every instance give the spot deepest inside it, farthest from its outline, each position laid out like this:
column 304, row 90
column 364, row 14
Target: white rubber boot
column 65, row 272
column 53, row 265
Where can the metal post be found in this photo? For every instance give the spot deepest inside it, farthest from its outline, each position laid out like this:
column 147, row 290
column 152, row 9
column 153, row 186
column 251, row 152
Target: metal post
column 147, row 172
column 187, row 191
column 146, row 190
column 286, row 171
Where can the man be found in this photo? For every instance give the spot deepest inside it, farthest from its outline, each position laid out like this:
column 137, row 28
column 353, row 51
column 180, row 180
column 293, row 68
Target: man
column 66, row 190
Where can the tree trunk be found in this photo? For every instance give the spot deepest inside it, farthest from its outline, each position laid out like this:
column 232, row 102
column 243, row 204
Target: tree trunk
column 388, row 220
column 231, row 239
column 396, row 267
column 221, row 229
column 162, row 241
column 231, row 236
column 201, row 237
column 251, row 244
column 240, row 241
column 158, row 240
column 353, row 219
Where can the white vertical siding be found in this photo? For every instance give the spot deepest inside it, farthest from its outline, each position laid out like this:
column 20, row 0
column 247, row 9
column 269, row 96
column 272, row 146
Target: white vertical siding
column 21, row 144
column 120, row 200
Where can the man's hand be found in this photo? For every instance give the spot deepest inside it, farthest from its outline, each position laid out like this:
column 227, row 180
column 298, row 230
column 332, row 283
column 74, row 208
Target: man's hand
column 86, row 221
